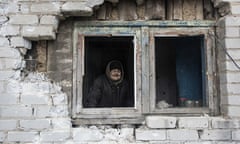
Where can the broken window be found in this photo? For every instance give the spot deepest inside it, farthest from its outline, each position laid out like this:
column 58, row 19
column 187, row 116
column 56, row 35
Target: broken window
column 99, row 51
column 169, row 70
column 179, row 71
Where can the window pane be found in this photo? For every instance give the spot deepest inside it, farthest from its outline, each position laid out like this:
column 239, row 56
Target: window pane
column 99, row 51
column 179, row 72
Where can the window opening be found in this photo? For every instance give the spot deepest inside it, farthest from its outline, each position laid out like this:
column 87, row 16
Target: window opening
column 99, row 51
column 180, row 80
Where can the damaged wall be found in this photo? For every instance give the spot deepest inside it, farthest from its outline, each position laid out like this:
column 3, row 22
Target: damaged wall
column 34, row 107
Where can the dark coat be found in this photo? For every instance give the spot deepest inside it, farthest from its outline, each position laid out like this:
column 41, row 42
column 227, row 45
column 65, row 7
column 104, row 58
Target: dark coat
column 104, row 93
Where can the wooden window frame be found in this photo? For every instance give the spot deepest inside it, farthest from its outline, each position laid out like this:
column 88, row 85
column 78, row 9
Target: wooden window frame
column 209, row 63
column 144, row 85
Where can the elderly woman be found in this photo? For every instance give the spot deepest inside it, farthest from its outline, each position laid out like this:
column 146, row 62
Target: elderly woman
column 110, row 89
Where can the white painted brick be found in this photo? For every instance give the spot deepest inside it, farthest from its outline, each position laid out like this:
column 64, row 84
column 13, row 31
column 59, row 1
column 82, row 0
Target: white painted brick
column 216, row 135
column 54, row 136
column 3, row 19
column 8, row 125
column 37, row 124
column 9, row 64
column 39, row 87
column 4, row 41
column 34, row 98
column 232, row 21
column 2, row 136
column 46, row 8
column 230, row 100
column 39, row 32
column 220, row 123
column 230, row 89
column 193, row 122
column 161, row 122
column 13, row 86
column 6, row 75
column 228, row 66
column 24, row 19
column 12, row 8
column 233, row 43
column 127, row 134
column 61, row 123
column 49, row 20
column 15, row 112
column 236, row 135
column 52, row 111
column 150, row 135
column 9, row 98
column 182, row 134
column 59, row 98
column 235, row 8
column 22, row 136
column 232, row 32
column 10, row 30
column 233, row 77
column 233, row 111
column 19, row 42
column 77, row 9
column 7, row 52
column 86, row 134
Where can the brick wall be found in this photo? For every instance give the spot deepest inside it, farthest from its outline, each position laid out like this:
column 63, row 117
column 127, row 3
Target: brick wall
column 34, row 108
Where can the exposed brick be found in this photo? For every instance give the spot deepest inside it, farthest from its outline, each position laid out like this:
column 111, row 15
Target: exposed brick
column 77, row 9
column 161, row 122
column 51, row 111
column 230, row 100
column 61, row 123
column 54, row 136
column 7, row 125
column 2, row 136
column 24, row 19
column 22, row 136
column 86, row 134
column 236, row 135
column 232, row 43
column 39, row 32
column 38, row 87
column 33, row 98
column 182, row 134
column 19, row 42
column 9, row 64
column 216, row 135
column 232, row 21
column 37, row 124
column 150, row 135
column 235, row 8
column 4, row 41
column 46, row 8
column 10, row 30
column 233, row 111
column 232, row 32
column 7, row 52
column 9, row 98
column 6, row 75
column 220, row 123
column 193, row 122
column 50, row 20
column 15, row 112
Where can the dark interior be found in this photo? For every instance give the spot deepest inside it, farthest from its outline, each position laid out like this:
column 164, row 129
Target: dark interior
column 99, row 50
column 179, row 69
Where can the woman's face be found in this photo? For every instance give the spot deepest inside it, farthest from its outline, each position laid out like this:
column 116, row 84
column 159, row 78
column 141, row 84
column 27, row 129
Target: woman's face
column 115, row 74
